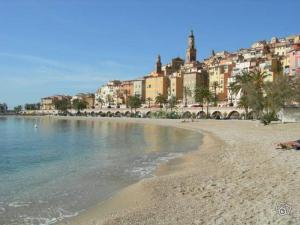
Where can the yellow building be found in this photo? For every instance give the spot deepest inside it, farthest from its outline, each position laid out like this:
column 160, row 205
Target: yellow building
column 156, row 83
column 176, row 86
column 218, row 76
column 89, row 98
column 47, row 103
column 271, row 67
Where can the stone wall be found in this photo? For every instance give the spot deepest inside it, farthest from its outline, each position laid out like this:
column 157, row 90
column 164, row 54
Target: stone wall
column 290, row 115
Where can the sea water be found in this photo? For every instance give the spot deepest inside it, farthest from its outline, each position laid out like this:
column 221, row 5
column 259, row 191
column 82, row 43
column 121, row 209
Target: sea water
column 51, row 169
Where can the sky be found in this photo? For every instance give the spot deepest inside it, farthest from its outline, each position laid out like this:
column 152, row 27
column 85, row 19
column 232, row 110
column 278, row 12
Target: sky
column 52, row 47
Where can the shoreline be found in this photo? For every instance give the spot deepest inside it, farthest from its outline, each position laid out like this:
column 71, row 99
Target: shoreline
column 112, row 204
column 238, row 177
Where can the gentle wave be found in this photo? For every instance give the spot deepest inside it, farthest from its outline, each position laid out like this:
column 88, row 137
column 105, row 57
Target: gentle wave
column 63, row 214
column 18, row 204
column 149, row 166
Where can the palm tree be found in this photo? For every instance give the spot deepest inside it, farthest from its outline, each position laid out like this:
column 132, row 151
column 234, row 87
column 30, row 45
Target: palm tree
column 251, row 86
column 255, row 92
column 241, row 85
column 160, row 99
column 215, row 85
column 258, row 78
column 207, row 96
column 149, row 101
column 100, row 101
column 243, row 103
column 118, row 93
column 230, row 89
column 241, row 81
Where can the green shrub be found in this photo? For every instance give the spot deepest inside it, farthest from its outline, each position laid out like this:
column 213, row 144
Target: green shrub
column 172, row 115
column 267, row 118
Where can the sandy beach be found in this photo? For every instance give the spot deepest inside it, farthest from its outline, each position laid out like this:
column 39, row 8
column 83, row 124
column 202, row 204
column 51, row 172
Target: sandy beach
column 237, row 176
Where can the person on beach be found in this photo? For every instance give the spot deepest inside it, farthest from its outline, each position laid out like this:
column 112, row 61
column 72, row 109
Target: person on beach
column 290, row 145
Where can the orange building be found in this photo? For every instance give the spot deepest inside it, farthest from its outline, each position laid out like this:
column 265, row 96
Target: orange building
column 126, row 89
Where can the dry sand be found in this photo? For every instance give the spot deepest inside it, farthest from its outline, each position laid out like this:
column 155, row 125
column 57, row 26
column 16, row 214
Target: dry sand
column 236, row 177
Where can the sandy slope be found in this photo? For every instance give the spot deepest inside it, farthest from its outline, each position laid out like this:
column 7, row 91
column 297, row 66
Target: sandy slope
column 236, row 177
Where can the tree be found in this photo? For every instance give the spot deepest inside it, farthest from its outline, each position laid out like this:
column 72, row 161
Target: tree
column 255, row 91
column 33, row 106
column 242, row 85
column 18, row 109
column 243, row 103
column 118, row 94
column 186, row 93
column 215, row 85
column 149, row 101
column 125, row 93
column 62, row 104
column 296, row 89
column 277, row 94
column 207, row 96
column 160, row 99
column 172, row 102
column 230, row 89
column 199, row 95
column 79, row 104
column 100, row 101
column 134, row 102
column 109, row 99
column 3, row 108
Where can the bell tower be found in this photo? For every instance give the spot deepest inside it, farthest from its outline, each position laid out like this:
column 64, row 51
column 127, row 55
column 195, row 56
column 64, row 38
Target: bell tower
column 158, row 65
column 191, row 52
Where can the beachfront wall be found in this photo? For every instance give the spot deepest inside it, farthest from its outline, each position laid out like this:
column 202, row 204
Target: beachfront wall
column 196, row 112
column 290, row 115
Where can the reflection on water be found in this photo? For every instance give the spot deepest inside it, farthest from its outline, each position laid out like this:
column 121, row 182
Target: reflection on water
column 64, row 166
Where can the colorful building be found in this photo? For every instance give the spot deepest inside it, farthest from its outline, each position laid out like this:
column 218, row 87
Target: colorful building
column 126, row 90
column 47, row 103
column 295, row 61
column 139, row 88
column 89, row 98
column 157, row 83
column 176, row 87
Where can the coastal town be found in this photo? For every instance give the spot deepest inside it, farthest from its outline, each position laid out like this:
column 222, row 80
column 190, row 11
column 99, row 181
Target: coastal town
column 178, row 80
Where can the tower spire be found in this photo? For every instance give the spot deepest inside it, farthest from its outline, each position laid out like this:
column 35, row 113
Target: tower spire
column 191, row 52
column 158, row 64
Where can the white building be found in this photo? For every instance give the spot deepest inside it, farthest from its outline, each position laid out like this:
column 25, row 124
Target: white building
column 108, row 94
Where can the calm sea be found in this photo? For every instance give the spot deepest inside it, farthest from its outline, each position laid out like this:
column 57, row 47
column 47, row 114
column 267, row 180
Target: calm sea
column 61, row 167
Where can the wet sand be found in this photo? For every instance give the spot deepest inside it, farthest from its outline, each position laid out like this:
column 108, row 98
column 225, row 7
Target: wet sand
column 235, row 177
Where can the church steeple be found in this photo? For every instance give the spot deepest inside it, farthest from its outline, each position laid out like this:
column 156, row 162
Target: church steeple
column 191, row 52
column 158, row 65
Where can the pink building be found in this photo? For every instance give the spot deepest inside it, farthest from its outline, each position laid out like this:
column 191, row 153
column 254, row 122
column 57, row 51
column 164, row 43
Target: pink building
column 295, row 61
